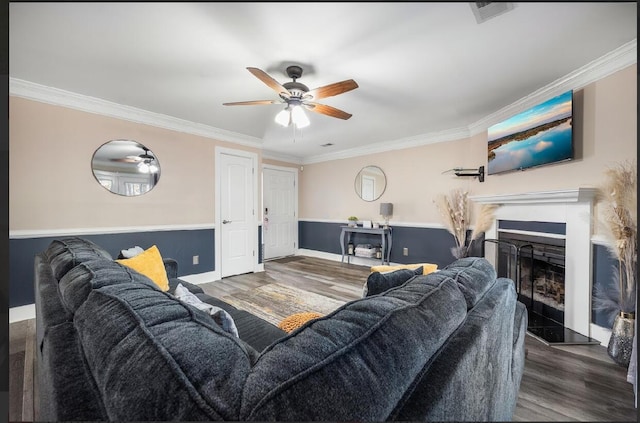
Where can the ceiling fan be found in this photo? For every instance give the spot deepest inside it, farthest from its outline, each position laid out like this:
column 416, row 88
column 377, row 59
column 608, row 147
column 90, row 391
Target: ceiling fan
column 297, row 95
column 144, row 157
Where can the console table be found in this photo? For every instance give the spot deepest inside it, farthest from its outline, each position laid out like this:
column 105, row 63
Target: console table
column 385, row 235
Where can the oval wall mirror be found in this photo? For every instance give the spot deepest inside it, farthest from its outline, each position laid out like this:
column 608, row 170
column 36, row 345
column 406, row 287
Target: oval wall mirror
column 125, row 167
column 370, row 183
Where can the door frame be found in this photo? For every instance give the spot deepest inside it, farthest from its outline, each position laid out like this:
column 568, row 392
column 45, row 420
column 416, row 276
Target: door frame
column 217, row 208
column 293, row 170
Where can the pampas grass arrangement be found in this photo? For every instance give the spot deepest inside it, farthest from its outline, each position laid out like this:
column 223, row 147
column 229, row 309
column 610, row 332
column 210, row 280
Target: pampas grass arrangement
column 455, row 210
column 617, row 199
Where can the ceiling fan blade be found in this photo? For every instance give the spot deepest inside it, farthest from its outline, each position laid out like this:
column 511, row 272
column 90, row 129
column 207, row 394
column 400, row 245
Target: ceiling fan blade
column 327, row 110
column 251, row 103
column 333, row 89
column 272, row 83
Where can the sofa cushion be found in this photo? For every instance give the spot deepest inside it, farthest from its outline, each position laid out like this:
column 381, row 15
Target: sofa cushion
column 378, row 282
column 474, row 276
column 173, row 283
column 78, row 283
column 66, row 390
column 425, row 267
column 154, row 358
column 344, row 351
column 464, row 380
column 66, row 253
column 150, row 264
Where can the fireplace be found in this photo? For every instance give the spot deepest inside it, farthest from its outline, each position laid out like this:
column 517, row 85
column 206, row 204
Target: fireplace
column 546, row 237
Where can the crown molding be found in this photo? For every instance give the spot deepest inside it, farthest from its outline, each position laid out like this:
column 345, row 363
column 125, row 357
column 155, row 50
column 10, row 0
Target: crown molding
column 615, row 60
column 399, row 144
column 58, row 97
column 618, row 59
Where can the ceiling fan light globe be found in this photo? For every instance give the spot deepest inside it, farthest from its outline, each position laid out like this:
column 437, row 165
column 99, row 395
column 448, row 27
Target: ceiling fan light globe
column 299, row 117
column 143, row 167
column 283, row 117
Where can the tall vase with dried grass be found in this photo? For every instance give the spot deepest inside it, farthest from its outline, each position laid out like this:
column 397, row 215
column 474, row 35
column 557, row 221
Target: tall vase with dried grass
column 617, row 200
column 455, row 209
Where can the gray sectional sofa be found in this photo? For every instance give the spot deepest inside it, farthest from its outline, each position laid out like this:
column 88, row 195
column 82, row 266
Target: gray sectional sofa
column 112, row 346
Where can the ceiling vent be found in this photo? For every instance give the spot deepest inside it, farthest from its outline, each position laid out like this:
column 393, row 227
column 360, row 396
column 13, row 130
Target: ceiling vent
column 484, row 11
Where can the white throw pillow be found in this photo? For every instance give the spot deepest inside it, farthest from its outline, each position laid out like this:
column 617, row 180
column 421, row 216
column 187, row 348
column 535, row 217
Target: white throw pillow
column 131, row 252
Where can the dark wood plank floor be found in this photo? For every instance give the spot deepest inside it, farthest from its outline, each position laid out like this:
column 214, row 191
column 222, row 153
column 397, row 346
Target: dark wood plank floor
column 570, row 383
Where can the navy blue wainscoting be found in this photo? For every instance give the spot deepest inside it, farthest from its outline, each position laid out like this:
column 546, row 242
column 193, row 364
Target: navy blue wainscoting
column 426, row 245
column 605, row 270
column 180, row 245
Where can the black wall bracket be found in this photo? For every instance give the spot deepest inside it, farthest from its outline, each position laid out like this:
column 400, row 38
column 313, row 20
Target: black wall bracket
column 470, row 172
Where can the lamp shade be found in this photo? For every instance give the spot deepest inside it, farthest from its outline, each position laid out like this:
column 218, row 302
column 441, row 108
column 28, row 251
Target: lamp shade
column 284, row 117
column 386, row 209
column 299, row 117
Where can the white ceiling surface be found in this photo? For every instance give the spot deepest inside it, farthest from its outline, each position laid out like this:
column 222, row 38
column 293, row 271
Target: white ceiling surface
column 422, row 68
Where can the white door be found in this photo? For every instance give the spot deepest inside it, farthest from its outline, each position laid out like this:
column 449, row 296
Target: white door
column 236, row 214
column 368, row 188
column 279, row 227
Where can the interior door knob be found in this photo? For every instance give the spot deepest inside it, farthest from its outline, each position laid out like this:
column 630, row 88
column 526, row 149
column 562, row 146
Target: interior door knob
column 226, row 221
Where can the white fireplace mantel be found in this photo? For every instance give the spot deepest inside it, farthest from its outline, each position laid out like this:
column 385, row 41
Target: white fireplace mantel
column 574, row 208
column 563, row 196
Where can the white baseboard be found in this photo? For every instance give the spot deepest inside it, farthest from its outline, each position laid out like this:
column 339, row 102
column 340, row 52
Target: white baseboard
column 600, row 334
column 360, row 261
column 199, row 278
column 25, row 312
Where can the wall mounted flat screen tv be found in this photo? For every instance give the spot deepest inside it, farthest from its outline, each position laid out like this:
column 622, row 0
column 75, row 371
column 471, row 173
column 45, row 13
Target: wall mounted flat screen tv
column 538, row 136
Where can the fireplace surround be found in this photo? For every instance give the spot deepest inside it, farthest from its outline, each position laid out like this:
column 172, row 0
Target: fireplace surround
column 574, row 208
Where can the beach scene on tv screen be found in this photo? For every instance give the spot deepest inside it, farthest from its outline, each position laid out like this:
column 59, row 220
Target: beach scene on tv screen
column 538, row 136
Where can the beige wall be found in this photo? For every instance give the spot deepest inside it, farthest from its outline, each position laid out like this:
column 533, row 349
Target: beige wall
column 605, row 118
column 51, row 184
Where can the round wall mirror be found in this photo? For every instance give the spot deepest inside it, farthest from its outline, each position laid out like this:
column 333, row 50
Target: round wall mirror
column 370, row 183
column 125, row 167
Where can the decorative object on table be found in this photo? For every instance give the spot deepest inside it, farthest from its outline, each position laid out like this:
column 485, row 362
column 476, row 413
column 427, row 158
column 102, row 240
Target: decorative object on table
column 376, row 225
column 353, row 221
column 456, row 213
column 366, row 224
column 350, row 248
column 617, row 202
column 386, row 211
column 379, row 251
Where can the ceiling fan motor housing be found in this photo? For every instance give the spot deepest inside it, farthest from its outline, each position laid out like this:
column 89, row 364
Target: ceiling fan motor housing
column 294, row 72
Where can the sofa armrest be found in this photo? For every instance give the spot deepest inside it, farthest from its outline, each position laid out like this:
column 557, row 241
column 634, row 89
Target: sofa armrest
column 520, row 321
column 171, row 266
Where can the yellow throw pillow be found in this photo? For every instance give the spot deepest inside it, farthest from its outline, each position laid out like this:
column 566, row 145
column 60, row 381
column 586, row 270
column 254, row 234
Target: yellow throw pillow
column 426, row 267
column 150, row 264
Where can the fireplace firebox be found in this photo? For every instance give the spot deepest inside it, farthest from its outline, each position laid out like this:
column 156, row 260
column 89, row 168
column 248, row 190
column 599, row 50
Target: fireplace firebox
column 536, row 264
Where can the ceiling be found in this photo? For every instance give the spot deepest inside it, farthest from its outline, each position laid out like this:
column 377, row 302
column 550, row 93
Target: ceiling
column 422, row 68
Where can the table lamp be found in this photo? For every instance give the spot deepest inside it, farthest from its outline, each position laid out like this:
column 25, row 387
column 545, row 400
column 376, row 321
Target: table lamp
column 386, row 210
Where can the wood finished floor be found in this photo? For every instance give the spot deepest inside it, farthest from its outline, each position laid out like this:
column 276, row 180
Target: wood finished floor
column 569, row 383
